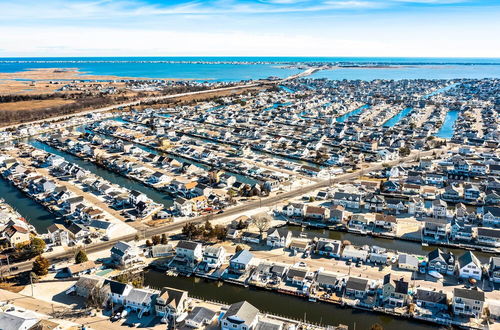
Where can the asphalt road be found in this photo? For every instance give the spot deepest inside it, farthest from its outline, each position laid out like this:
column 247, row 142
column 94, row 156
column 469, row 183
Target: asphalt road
column 267, row 201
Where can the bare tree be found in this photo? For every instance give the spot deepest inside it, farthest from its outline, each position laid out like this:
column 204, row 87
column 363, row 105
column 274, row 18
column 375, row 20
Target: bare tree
column 96, row 298
column 262, row 221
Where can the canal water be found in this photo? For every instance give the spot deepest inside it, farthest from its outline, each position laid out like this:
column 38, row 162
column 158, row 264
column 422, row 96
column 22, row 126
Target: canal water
column 397, row 118
column 279, row 304
column 28, row 208
column 389, row 244
column 448, row 128
column 355, row 112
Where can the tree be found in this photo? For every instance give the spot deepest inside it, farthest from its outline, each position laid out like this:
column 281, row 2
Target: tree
column 164, row 239
column 262, row 221
column 40, row 266
column 136, row 237
column 376, row 326
column 404, row 151
column 239, row 248
column 156, row 239
column 96, row 298
column 311, row 199
column 81, row 257
column 148, row 243
column 37, row 246
column 220, row 232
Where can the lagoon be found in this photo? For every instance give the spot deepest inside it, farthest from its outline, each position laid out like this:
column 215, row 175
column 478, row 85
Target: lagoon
column 397, row 118
column 448, row 128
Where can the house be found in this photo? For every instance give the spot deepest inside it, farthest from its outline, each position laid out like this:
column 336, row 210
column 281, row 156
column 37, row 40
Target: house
column 214, row 256
column 356, row 287
column 431, row 299
column 189, row 252
column 267, row 324
column 116, row 291
column 200, row 317
column 278, row 237
column 140, row 300
column 294, row 210
column 317, row 213
column 124, row 254
column 487, row 236
column 240, row 316
column 240, row 262
column 441, row 262
column 347, row 200
column 299, row 245
column 250, row 237
column 16, row 235
column 469, row 266
column 399, row 296
column 328, row 247
column 86, row 285
column 374, row 202
column 439, row 208
column 353, row 253
column 326, row 281
column 436, row 229
column 408, row 261
column 494, row 269
column 491, row 216
column 87, row 267
column 171, row 302
column 337, row 213
column 467, row 302
column 297, row 276
column 386, row 222
column 17, row 320
column 359, row 224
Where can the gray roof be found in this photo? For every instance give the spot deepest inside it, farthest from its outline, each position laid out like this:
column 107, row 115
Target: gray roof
column 267, row 325
column 120, row 248
column 356, row 283
column 243, row 311
column 326, row 279
column 467, row 258
column 242, row 257
column 431, row 296
column 469, row 294
column 188, row 245
column 200, row 315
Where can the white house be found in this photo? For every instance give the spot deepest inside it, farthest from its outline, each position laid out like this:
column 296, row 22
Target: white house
column 278, row 237
column 240, row 316
column 214, row 256
column 469, row 266
column 189, row 251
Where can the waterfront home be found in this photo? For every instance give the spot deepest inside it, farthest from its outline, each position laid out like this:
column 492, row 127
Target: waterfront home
column 171, row 303
column 439, row 208
column 102, row 227
column 385, row 221
column 299, row 245
column 233, row 233
column 358, row 223
column 240, row 262
column 494, row 269
column 326, row 281
column 161, row 250
column 18, row 319
column 16, row 235
column 136, row 197
column 278, row 237
column 491, row 216
column 87, row 267
column 58, row 234
column 469, row 266
column 347, row 200
column 240, row 316
column 124, row 254
column 461, row 231
column 200, row 317
column 353, row 253
column 396, row 292
column 487, row 236
column 189, row 252
column 374, row 202
column 468, row 302
column 87, row 285
column 214, row 256
column 116, row 291
column 356, row 287
column 317, row 213
column 435, row 300
column 297, row 276
column 408, row 262
column 250, row 237
column 441, row 262
column 328, row 247
column 140, row 300
column 436, row 229
column 337, row 213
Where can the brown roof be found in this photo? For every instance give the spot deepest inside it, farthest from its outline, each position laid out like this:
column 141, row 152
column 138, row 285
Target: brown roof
column 77, row 268
column 315, row 210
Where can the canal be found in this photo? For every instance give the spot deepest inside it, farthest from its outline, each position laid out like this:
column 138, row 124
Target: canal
column 397, row 118
column 448, row 128
column 389, row 244
column 354, row 112
column 279, row 304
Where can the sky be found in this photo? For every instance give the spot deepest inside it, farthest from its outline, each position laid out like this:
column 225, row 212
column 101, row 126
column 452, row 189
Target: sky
column 360, row 28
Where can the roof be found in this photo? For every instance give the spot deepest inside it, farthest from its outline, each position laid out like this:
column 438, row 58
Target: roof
column 84, row 266
column 326, row 278
column 242, row 257
column 242, row 311
column 467, row 258
column 356, row 283
column 140, row 296
column 200, row 314
column 468, row 294
column 120, row 248
column 45, row 325
column 173, row 297
column 488, row 232
column 115, row 287
column 401, row 286
column 188, row 245
column 431, row 296
column 16, row 320
column 268, row 325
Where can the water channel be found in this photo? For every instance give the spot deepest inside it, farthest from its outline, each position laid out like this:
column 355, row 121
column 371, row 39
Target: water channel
column 448, row 128
column 397, row 118
column 354, row 112
column 279, row 304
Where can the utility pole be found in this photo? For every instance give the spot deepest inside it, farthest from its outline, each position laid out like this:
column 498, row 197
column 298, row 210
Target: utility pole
column 31, row 282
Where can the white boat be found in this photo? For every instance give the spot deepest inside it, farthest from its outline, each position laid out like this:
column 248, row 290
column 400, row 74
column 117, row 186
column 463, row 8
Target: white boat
column 435, row 274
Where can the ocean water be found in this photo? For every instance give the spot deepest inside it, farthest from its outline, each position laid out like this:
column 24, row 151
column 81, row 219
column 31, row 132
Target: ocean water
column 228, row 69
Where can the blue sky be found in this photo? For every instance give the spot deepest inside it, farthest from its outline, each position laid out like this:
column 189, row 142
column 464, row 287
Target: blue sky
column 419, row 28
